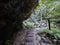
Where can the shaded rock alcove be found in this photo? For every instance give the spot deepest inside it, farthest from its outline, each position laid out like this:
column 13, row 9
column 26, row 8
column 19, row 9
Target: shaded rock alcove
column 12, row 14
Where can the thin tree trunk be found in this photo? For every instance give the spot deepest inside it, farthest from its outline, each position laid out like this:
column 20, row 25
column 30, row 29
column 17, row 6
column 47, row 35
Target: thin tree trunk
column 49, row 24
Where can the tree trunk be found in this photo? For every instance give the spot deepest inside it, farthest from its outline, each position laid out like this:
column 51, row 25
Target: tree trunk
column 49, row 24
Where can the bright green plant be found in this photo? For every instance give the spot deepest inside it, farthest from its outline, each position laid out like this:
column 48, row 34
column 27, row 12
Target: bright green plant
column 29, row 25
column 54, row 32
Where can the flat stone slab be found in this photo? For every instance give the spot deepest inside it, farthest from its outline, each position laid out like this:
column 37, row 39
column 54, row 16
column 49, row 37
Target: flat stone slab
column 30, row 35
column 30, row 32
column 31, row 43
column 30, row 39
column 46, row 44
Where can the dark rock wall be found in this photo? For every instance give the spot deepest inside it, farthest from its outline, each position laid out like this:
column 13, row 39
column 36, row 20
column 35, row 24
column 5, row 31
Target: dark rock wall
column 12, row 14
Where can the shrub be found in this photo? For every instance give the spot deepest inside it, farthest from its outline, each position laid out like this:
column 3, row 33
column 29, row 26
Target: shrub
column 29, row 25
column 53, row 32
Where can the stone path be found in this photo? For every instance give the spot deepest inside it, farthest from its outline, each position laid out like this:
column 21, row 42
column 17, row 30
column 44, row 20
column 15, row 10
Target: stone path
column 32, row 38
column 29, row 37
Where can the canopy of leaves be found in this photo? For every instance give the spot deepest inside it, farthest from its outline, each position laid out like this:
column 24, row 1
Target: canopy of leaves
column 52, row 8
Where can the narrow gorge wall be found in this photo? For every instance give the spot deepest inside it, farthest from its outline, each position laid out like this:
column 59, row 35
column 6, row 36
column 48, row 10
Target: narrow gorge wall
column 12, row 14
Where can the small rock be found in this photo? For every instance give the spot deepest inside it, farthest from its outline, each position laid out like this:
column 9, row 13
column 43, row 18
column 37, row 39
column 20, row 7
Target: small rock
column 43, row 39
column 38, row 37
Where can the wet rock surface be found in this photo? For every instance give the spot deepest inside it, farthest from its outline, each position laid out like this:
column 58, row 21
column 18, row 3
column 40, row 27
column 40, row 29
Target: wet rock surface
column 32, row 38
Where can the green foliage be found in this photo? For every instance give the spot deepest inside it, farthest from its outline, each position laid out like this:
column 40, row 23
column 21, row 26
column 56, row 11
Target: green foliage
column 52, row 8
column 29, row 25
column 39, row 4
column 58, row 24
column 46, row 8
column 54, row 32
column 9, row 42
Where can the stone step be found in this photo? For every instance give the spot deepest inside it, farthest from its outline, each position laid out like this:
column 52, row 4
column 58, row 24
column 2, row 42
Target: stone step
column 31, row 43
column 30, row 39
column 30, row 35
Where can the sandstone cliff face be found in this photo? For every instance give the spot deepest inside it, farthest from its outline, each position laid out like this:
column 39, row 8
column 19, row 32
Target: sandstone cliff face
column 12, row 14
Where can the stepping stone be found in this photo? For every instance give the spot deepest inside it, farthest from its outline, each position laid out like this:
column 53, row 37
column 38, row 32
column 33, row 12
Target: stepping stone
column 30, row 35
column 43, row 43
column 30, row 32
column 38, row 37
column 30, row 43
column 48, row 44
column 29, row 39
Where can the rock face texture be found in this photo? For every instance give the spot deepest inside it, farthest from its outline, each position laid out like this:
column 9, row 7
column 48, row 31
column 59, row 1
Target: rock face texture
column 12, row 14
